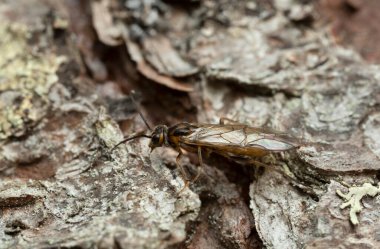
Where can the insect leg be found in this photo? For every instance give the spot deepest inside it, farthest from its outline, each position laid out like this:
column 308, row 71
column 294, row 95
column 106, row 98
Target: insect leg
column 200, row 156
column 200, row 167
column 183, row 172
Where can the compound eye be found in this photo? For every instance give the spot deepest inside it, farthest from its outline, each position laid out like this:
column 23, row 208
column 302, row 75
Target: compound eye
column 155, row 139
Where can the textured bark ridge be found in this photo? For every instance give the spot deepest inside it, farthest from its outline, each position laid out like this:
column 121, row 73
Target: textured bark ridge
column 66, row 69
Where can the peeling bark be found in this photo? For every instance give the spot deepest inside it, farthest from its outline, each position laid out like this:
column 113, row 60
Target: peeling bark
column 66, row 70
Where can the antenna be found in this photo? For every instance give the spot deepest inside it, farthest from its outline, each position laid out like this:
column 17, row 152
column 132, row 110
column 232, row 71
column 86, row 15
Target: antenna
column 138, row 110
column 139, row 134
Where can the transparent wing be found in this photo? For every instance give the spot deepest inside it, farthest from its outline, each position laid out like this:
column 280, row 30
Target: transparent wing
column 241, row 136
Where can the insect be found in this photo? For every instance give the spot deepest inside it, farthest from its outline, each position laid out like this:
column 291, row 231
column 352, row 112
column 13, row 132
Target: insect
column 228, row 140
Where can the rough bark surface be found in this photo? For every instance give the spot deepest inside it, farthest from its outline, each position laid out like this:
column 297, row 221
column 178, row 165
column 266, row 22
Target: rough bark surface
column 67, row 67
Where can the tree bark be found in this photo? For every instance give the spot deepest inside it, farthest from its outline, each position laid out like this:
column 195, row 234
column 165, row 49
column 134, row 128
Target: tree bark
column 66, row 71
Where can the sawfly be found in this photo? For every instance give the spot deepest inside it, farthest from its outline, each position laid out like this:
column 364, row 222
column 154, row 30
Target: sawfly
column 232, row 140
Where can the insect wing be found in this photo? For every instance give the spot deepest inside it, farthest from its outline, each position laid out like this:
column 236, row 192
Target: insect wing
column 242, row 136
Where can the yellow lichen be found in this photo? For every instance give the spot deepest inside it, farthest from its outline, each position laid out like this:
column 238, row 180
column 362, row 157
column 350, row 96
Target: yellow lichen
column 353, row 198
column 25, row 80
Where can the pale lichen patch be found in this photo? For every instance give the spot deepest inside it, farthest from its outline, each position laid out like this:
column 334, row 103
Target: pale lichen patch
column 354, row 196
column 25, row 80
column 107, row 129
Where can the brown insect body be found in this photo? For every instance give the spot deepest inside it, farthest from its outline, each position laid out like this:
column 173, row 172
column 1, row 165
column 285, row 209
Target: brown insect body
column 229, row 140
column 234, row 139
